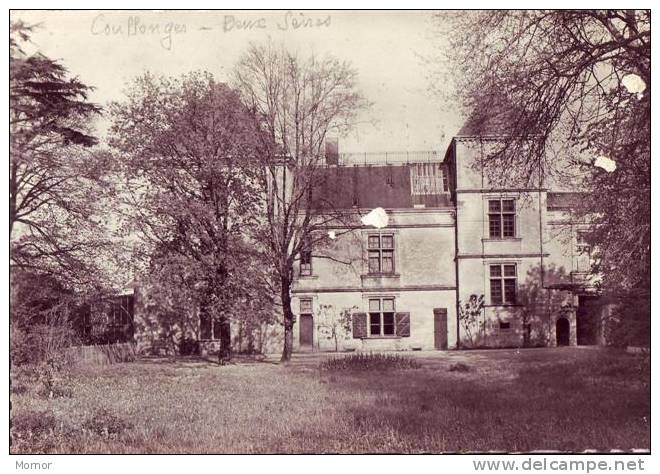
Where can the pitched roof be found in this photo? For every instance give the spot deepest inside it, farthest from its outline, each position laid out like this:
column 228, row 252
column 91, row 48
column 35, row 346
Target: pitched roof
column 558, row 201
column 386, row 186
column 481, row 125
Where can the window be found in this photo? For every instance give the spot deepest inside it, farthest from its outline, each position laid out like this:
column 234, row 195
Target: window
column 583, row 246
column 306, row 260
column 504, row 325
column 120, row 319
column 306, row 306
column 427, row 179
column 209, row 327
column 503, row 284
column 501, row 218
column 381, row 253
column 381, row 317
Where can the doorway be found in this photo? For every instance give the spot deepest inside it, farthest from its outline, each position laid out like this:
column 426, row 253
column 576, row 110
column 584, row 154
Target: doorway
column 306, row 331
column 587, row 320
column 563, row 332
column 440, row 328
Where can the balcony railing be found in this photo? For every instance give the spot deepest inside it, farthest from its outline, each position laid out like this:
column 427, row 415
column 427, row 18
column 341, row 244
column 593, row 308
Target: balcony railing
column 389, row 157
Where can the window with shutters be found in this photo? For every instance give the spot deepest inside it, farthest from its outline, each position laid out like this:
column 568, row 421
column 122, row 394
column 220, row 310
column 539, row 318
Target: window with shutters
column 381, row 253
column 501, row 218
column 381, row 317
column 503, row 283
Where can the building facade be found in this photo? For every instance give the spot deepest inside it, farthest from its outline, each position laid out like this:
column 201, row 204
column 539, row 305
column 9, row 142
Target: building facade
column 460, row 263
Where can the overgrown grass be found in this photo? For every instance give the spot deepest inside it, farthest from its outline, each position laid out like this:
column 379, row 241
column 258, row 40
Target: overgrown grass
column 552, row 399
column 369, row 361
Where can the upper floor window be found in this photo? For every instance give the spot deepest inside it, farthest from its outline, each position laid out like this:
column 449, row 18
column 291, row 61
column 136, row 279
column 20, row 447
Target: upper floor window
column 381, row 317
column 306, row 260
column 503, row 284
column 381, row 253
column 501, row 218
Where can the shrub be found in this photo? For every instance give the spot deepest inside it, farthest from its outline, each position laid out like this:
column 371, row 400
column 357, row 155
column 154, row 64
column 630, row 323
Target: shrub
column 629, row 327
column 20, row 351
column 54, row 377
column 106, row 424
column 34, row 431
column 460, row 367
column 34, row 424
column 188, row 346
column 370, row 361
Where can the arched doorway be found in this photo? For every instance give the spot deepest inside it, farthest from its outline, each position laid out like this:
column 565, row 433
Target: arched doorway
column 563, row 332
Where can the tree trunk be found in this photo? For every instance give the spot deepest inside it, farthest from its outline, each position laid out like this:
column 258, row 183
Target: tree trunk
column 288, row 320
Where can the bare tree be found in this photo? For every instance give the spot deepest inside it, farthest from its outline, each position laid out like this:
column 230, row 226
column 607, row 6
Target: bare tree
column 553, row 92
column 334, row 326
column 300, row 101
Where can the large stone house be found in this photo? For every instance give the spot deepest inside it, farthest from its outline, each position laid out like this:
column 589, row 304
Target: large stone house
column 461, row 263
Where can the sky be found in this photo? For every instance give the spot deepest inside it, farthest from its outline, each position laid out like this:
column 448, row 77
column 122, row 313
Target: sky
column 106, row 49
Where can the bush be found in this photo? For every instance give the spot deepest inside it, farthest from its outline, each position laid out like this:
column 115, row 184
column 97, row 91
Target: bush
column 104, row 423
column 370, row 361
column 629, row 326
column 33, row 424
column 40, row 343
column 460, row 367
column 20, row 352
column 188, row 346
column 36, row 432
column 54, row 377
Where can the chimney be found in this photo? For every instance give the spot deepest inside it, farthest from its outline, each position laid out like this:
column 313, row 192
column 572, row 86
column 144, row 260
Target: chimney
column 332, row 151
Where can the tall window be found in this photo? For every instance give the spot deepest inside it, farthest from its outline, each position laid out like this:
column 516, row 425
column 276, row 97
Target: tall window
column 503, row 284
column 501, row 218
column 445, row 181
column 381, row 317
column 120, row 319
column 209, row 327
column 306, row 260
column 381, row 254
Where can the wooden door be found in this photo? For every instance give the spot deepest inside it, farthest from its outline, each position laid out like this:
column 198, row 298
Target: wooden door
column 306, row 330
column 440, row 328
column 563, row 332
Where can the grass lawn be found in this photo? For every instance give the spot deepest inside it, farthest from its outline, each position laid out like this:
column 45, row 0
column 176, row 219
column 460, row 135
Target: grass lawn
column 568, row 399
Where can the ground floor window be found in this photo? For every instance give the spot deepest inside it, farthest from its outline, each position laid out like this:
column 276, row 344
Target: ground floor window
column 381, row 317
column 503, row 283
column 209, row 327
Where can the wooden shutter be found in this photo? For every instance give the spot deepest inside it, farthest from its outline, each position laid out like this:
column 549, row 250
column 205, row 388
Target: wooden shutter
column 359, row 325
column 402, row 321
